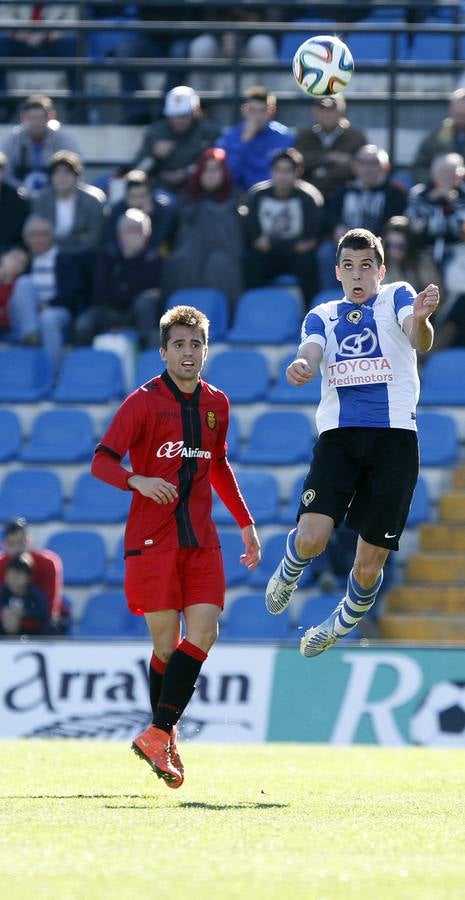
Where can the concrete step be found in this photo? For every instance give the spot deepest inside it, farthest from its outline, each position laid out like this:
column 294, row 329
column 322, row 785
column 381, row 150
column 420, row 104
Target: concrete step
column 416, row 598
column 441, row 537
column 438, row 567
column 452, row 507
column 458, row 478
column 400, row 627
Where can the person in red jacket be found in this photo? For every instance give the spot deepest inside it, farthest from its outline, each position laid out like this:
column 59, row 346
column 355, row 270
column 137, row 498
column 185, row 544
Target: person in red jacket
column 174, row 427
column 47, row 569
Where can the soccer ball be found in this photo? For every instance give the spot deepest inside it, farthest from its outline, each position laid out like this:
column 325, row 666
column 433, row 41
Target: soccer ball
column 322, row 66
column 440, row 719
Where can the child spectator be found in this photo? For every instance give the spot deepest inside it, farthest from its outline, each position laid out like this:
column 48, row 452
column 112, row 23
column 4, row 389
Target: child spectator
column 23, row 606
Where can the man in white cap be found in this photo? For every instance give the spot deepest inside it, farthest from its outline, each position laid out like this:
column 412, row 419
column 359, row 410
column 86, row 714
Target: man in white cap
column 172, row 145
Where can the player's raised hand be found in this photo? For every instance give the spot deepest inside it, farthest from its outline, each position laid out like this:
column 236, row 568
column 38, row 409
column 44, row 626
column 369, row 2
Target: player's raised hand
column 299, row 372
column 253, row 553
column 156, row 489
column 426, row 302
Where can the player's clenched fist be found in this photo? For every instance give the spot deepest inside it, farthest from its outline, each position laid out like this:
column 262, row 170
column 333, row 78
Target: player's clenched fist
column 299, row 372
column 426, row 302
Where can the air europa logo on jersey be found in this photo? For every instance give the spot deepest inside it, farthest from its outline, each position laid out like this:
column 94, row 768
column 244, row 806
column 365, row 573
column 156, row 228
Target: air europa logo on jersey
column 170, row 449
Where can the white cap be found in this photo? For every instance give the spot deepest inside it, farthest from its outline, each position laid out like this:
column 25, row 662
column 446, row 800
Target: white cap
column 181, row 101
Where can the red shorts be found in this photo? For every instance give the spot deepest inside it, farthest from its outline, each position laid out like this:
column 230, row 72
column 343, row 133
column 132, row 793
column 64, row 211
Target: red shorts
column 174, row 579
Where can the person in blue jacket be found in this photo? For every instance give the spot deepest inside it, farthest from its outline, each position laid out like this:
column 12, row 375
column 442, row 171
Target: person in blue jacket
column 251, row 145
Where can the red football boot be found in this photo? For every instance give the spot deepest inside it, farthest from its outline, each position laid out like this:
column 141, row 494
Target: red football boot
column 153, row 746
column 174, row 752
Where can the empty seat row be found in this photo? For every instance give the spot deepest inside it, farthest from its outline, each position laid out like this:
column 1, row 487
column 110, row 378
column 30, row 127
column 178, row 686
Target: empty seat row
column 106, row 615
column 89, row 376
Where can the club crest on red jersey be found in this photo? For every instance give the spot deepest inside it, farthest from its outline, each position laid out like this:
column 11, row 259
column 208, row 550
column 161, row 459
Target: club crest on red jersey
column 210, row 418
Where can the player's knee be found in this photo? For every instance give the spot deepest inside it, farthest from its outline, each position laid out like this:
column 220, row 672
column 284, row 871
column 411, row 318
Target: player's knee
column 310, row 544
column 203, row 638
column 164, row 649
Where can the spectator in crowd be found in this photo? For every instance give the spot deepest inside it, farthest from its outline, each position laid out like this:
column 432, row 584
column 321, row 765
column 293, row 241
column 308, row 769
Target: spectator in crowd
column 436, row 210
column 251, row 144
column 404, row 259
column 13, row 263
column 160, row 206
column 229, row 44
column 35, row 42
column 172, row 145
column 126, row 284
column 47, row 569
column 208, row 247
column 30, row 145
column 74, row 209
column 45, row 301
column 23, row 606
column 449, row 137
column 366, row 202
column 329, row 146
column 14, row 210
column 283, row 225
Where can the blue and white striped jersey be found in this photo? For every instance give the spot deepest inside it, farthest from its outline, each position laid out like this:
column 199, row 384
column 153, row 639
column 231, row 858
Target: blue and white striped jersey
column 369, row 369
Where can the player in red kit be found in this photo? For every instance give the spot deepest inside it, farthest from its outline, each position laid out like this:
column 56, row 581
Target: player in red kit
column 174, row 427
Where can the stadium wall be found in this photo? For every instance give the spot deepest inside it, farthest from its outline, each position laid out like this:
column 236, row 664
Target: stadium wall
column 245, row 694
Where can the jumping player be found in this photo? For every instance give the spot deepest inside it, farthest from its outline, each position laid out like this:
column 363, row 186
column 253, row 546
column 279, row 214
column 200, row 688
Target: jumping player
column 365, row 462
column 174, row 427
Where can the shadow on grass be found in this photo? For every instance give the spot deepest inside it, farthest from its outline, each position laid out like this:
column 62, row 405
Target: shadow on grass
column 259, row 804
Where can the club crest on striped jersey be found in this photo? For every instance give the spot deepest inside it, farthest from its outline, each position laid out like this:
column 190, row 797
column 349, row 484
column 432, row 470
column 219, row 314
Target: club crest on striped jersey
column 210, row 418
column 354, row 316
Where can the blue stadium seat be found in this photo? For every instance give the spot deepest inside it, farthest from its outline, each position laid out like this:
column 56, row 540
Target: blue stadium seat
column 25, row 375
column 431, row 46
column 283, row 392
column 212, row 302
column 443, row 378
column 89, row 376
column 106, row 615
column 438, row 439
column 96, row 501
column 33, row 493
column 233, row 436
column 291, row 40
column 373, row 47
column 260, row 490
column 242, row 374
column 326, row 295
column 10, row 431
column 149, row 364
column 61, row 436
column 288, row 513
column 83, row 554
column 248, row 619
column 279, row 438
column 232, row 547
column 115, row 570
column 316, row 610
column 266, row 316
column 420, row 509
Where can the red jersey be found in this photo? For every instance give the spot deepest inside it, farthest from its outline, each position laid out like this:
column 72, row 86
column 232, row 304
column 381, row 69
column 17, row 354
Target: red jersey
column 182, row 439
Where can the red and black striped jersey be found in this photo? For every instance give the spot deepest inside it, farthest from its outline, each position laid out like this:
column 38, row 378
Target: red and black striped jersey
column 182, row 439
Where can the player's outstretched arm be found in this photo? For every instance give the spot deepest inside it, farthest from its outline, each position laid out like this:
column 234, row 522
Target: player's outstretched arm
column 252, row 555
column 417, row 327
column 305, row 367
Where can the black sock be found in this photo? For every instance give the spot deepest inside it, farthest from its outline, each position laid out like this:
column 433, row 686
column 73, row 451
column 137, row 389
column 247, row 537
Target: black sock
column 178, row 684
column 156, row 673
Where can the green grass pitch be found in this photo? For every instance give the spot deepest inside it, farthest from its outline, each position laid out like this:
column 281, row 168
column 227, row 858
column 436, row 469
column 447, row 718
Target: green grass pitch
column 89, row 820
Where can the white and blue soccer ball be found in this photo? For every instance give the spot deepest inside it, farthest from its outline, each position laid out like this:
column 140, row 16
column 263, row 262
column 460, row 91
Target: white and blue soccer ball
column 323, row 66
column 439, row 721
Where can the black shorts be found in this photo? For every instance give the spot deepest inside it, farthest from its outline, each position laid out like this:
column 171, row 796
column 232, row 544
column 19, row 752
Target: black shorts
column 367, row 476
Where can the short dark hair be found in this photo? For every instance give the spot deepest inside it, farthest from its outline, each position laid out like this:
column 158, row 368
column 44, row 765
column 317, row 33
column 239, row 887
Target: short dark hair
column 37, row 101
column 290, row 154
column 14, row 525
column 68, row 159
column 21, row 563
column 183, row 315
column 360, row 239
